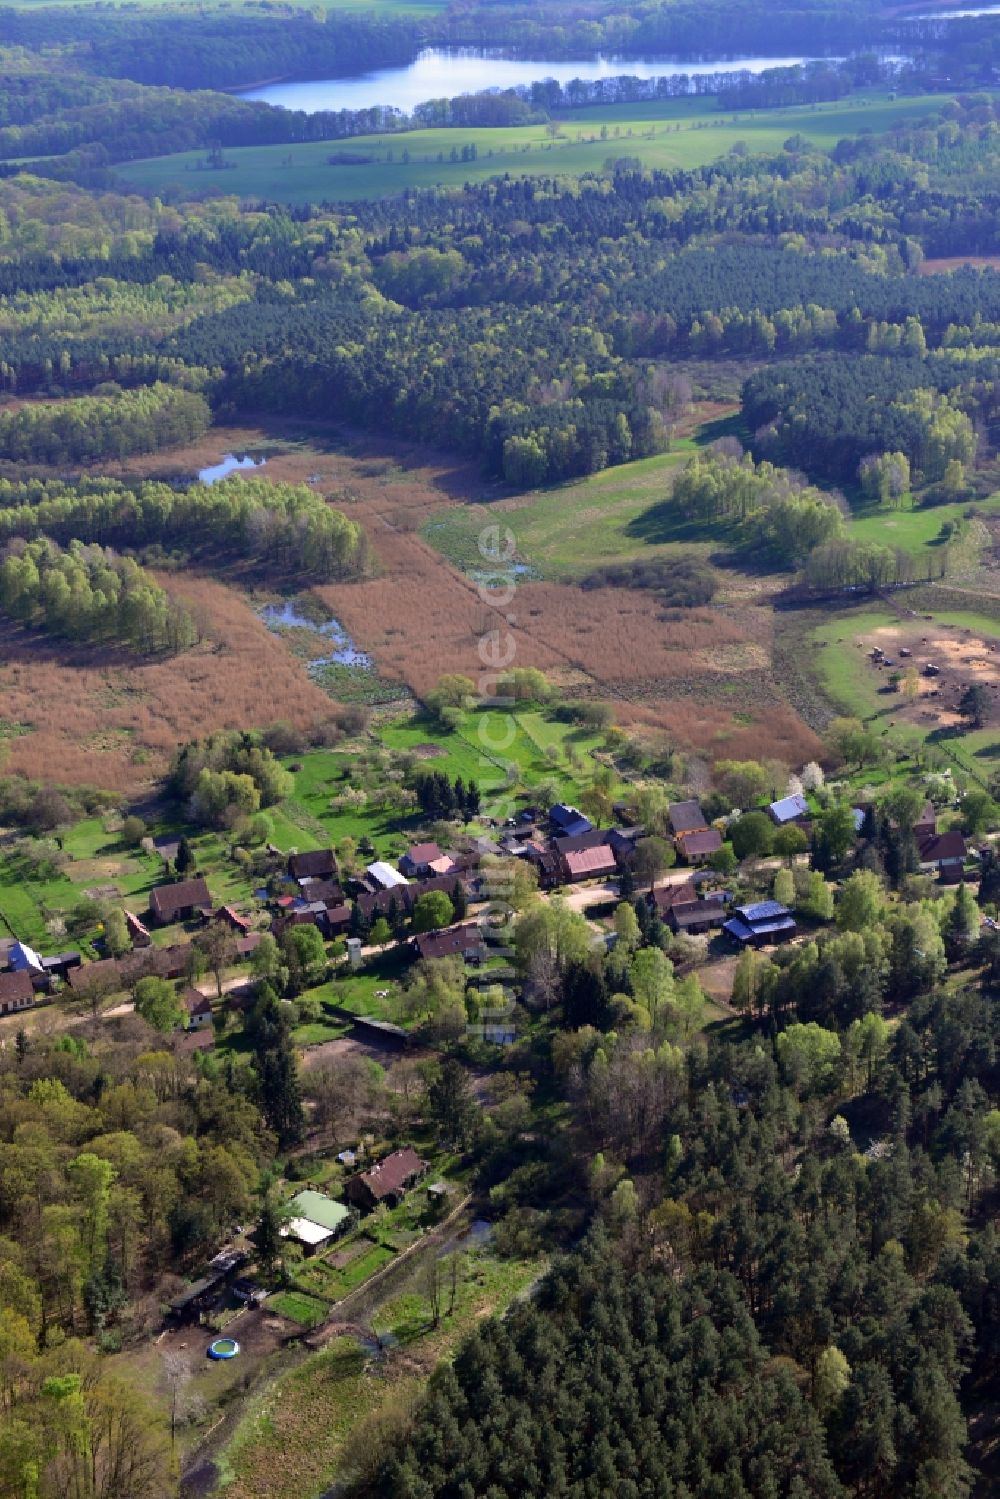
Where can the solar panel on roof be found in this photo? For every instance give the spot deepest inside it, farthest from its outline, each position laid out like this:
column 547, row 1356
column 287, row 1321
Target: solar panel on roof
column 763, row 910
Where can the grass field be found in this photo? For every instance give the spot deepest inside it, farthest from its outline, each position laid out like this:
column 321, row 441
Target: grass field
column 686, row 133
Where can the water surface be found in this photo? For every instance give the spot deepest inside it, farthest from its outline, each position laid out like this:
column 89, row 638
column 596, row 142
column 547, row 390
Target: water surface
column 442, row 74
column 229, row 464
column 342, row 652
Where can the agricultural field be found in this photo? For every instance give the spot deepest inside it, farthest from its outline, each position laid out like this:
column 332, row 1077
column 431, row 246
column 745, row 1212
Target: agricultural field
column 685, row 134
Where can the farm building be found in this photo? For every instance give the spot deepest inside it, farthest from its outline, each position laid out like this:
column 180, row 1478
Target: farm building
column 789, row 809
column 317, row 864
column 382, row 876
column 685, row 817
column 315, row 1220
column 138, row 932
column 756, row 925
column 180, row 901
column 589, row 863
column 698, row 845
column 387, row 1182
column 16, row 992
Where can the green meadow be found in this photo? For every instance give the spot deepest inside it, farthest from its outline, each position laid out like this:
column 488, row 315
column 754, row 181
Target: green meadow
column 668, row 135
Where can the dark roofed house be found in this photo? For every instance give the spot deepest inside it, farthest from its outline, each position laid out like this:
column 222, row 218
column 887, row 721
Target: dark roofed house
column 755, row 925
column 387, row 1182
column 698, row 915
column 590, row 863
column 317, row 864
column 198, row 1007
column 180, row 901
column 112, row 974
column 664, row 897
column 945, row 852
column 595, row 838
column 465, row 939
column 568, row 822
column 686, row 817
column 186, row 1043
column 16, row 992
column 338, row 919
column 926, row 823
column 700, row 844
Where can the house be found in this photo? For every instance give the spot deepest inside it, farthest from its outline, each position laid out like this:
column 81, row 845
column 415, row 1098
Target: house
column 139, row 934
column 944, row 852
column 685, row 817
column 24, row 959
column 188, row 1042
column 383, row 876
column 199, row 1009
column 926, row 824
column 338, row 919
column 328, row 891
column 180, row 901
column 16, row 992
column 232, row 919
column 315, row 1220
column 317, row 864
column 120, row 973
column 387, row 1182
column 466, row 940
column 247, row 946
column 698, row 915
column 568, row 822
column 664, row 897
column 789, row 809
column 580, row 841
column 590, row 863
column 698, row 845
column 424, row 859
column 402, row 898
column 755, row 925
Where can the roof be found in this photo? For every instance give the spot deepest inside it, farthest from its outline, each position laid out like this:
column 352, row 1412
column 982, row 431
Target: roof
column 319, row 1209
column 135, row 926
column 423, row 853
column 385, row 875
column 789, row 808
column 22, row 956
column 466, row 938
column 936, row 847
column 591, row 861
column 570, row 819
column 686, row 913
column 202, row 1039
column 928, row 817
column 392, row 1174
column 686, row 817
column 573, row 844
column 166, row 900
column 667, row 896
column 196, row 1003
column 161, row 962
column 744, row 933
column 763, row 910
column 444, row 865
column 700, row 842
column 226, row 913
column 316, row 862
column 306, row 1231
column 15, row 986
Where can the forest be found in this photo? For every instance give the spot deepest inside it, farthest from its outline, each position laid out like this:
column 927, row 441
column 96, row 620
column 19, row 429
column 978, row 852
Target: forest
column 694, row 1218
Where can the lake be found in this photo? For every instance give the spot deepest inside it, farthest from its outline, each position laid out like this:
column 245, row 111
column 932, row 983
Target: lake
column 443, row 74
column 229, row 465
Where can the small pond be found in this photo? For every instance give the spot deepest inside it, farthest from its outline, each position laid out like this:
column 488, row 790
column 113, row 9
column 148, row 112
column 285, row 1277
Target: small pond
column 331, row 642
column 229, row 465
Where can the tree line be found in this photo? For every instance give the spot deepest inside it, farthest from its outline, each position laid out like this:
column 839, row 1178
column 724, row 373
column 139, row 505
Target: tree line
column 95, row 427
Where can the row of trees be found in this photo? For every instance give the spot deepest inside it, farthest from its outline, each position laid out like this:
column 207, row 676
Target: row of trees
column 89, row 593
column 111, row 426
column 284, row 528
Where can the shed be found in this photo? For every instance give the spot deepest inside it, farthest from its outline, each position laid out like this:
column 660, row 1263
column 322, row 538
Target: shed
column 180, row 901
column 789, row 809
column 385, row 876
column 386, row 1182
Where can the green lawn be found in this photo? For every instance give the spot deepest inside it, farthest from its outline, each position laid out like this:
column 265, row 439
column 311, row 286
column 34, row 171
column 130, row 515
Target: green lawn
column 913, row 529
column 659, row 135
column 307, row 1311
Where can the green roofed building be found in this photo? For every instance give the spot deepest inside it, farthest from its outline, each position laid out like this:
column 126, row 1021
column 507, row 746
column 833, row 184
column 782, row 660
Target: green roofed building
column 315, row 1219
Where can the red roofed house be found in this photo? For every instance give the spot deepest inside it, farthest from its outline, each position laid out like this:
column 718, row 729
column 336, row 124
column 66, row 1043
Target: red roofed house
column 16, row 992
column 698, row 845
column 945, row 852
column 180, row 901
column 239, row 924
column 387, row 1182
column 137, row 931
column 466, row 939
column 423, row 859
column 590, row 863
